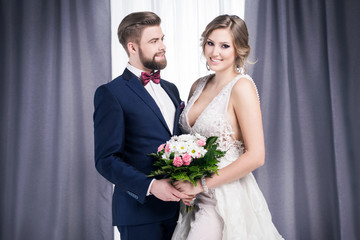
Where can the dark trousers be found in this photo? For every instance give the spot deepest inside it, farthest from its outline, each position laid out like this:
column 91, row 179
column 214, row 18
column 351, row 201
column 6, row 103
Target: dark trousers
column 153, row 231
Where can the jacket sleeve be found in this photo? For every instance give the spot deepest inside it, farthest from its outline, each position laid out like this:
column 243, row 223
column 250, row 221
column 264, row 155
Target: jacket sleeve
column 109, row 130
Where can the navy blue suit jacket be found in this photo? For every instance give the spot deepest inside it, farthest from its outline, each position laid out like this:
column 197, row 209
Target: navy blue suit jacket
column 128, row 125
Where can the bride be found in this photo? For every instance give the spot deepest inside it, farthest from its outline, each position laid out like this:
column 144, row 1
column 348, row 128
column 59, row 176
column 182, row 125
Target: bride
column 226, row 104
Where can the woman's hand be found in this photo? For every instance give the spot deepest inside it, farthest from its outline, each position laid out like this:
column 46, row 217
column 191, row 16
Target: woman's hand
column 188, row 188
column 188, row 201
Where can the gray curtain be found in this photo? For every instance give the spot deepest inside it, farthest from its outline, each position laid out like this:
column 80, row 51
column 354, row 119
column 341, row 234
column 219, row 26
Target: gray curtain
column 308, row 76
column 53, row 56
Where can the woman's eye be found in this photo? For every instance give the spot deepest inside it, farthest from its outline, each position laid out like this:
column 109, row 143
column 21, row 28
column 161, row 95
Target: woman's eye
column 210, row 43
column 225, row 46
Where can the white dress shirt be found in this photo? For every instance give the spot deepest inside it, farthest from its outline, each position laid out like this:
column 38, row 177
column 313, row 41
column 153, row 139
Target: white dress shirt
column 162, row 100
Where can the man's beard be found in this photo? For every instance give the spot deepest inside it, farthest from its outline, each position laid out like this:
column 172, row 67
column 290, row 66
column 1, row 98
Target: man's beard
column 152, row 63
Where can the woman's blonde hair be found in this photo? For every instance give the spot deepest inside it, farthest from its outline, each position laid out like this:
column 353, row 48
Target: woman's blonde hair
column 239, row 32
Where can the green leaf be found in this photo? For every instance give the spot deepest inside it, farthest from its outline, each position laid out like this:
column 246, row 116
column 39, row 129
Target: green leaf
column 179, row 175
column 210, row 141
column 193, row 182
column 194, row 169
column 167, row 167
column 195, row 176
column 212, row 161
column 157, row 173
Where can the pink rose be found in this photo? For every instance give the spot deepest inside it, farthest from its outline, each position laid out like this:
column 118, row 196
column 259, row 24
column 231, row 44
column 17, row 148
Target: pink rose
column 186, row 159
column 177, row 162
column 161, row 147
column 201, row 142
column 167, row 148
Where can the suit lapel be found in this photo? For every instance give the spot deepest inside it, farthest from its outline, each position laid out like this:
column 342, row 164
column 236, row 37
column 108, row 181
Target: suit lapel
column 177, row 106
column 135, row 85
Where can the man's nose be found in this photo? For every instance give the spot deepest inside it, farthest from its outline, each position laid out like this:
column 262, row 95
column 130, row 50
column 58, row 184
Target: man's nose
column 162, row 46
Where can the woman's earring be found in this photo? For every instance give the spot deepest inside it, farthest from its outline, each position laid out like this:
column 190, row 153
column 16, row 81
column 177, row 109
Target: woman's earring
column 207, row 66
column 240, row 70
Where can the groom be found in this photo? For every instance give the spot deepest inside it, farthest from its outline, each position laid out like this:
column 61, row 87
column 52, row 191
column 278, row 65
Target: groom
column 134, row 114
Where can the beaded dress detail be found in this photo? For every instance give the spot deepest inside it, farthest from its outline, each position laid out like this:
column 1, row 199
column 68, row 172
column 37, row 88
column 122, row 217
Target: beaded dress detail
column 240, row 204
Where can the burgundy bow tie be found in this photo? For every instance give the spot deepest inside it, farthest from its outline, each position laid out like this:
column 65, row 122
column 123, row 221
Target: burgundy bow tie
column 146, row 77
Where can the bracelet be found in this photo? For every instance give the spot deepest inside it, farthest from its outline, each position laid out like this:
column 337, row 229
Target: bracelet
column 203, row 184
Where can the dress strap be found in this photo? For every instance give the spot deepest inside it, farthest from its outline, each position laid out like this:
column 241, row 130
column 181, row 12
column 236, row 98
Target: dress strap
column 252, row 81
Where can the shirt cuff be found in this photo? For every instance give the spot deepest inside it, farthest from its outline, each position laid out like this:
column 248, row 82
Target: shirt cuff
column 148, row 193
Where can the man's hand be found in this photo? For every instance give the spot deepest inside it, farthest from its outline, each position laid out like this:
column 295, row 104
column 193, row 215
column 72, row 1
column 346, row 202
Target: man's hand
column 163, row 190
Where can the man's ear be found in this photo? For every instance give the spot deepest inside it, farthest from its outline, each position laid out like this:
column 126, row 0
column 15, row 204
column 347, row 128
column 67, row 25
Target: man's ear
column 132, row 47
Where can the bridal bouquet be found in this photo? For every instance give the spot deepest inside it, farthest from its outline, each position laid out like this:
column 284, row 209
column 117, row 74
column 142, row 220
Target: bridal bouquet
column 187, row 157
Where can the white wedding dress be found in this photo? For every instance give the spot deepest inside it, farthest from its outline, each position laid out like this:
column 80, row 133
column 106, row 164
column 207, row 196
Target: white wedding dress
column 233, row 211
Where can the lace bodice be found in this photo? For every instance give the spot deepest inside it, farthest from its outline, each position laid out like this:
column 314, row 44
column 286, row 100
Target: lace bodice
column 213, row 120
